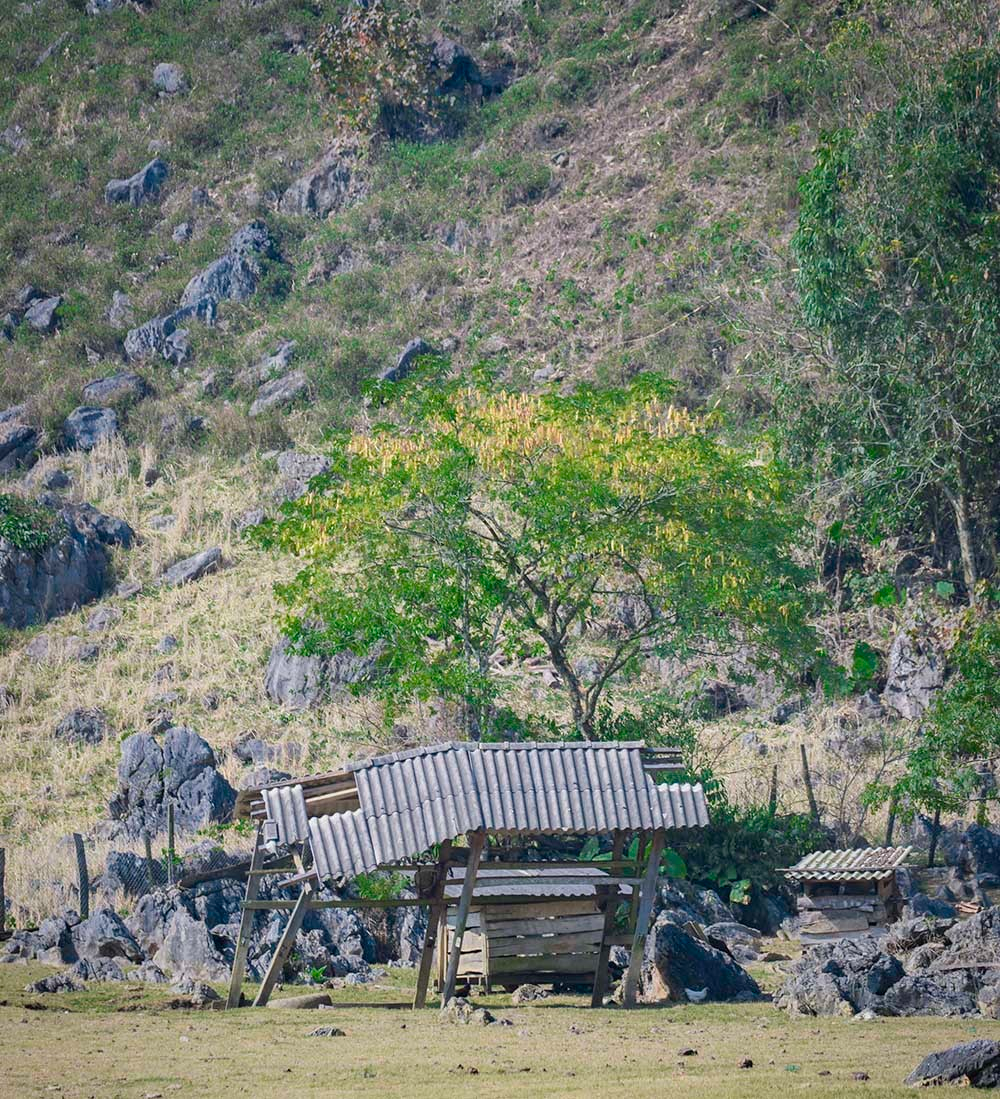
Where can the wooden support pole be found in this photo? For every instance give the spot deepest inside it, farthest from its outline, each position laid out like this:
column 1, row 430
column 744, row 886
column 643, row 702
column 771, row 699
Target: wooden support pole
column 83, row 878
column 611, row 905
column 935, row 832
column 646, row 898
column 3, row 894
column 462, row 915
column 284, row 947
column 772, row 801
column 246, row 925
column 807, row 779
column 438, row 907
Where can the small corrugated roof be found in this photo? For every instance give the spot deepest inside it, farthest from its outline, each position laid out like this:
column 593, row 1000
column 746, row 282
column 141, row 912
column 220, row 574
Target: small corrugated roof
column 851, row 864
column 409, row 801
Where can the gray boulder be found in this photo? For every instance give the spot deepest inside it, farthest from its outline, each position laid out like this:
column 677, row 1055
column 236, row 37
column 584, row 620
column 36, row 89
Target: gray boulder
column 124, row 388
column 130, row 874
column 922, row 994
column 675, row 961
column 189, row 951
column 94, row 524
column 71, row 571
column 97, row 969
column 183, row 771
column 978, row 1062
column 103, row 7
column 56, row 982
column 83, row 726
column 120, row 313
column 280, row 392
column 85, row 427
column 297, row 470
column 404, row 364
column 298, row 682
column 148, row 973
column 104, row 935
column 40, row 315
column 143, row 187
column 18, row 446
column 169, row 79
column 152, row 337
column 103, row 619
column 236, row 274
column 192, row 568
column 915, row 673
column 840, row 978
column 328, row 186
column 272, row 365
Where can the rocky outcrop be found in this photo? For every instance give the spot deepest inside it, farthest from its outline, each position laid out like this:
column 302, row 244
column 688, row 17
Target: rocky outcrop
column 279, row 393
column 182, row 771
column 297, row 470
column 234, row 276
column 71, row 571
column 976, row 1062
column 40, row 316
column 676, row 961
column 915, row 673
column 85, row 427
column 124, row 388
column 298, row 682
column 83, row 726
column 405, row 363
column 143, row 187
column 18, row 446
column 169, row 79
column 120, row 314
column 270, row 366
column 192, row 568
column 328, row 186
column 840, row 978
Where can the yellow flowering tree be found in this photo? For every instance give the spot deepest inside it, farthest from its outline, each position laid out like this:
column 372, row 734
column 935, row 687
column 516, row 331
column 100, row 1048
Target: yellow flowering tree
column 473, row 524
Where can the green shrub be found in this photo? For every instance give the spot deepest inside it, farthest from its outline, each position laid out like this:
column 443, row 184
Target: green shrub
column 25, row 525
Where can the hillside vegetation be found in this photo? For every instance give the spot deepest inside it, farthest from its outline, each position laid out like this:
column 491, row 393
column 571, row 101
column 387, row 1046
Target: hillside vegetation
column 618, row 196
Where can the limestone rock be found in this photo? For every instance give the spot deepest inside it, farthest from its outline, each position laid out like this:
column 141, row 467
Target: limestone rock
column 86, row 426
column 18, row 446
column 192, row 568
column 143, row 187
column 330, row 185
column 104, row 935
column 83, row 726
column 915, row 673
column 297, row 470
column 41, row 314
column 977, row 1061
column 120, row 313
column 272, row 365
column 188, row 950
column 169, row 79
column 675, row 961
column 404, row 364
column 279, row 392
column 124, row 388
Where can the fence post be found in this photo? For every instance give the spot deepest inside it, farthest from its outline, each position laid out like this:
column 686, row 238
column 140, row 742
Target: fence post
column 807, row 779
column 3, row 895
column 150, row 875
column 83, row 878
column 935, row 830
column 772, row 801
column 170, row 843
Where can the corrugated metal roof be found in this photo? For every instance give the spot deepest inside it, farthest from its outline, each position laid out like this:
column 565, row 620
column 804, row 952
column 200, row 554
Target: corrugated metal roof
column 854, row 864
column 414, row 799
column 526, row 883
column 286, row 806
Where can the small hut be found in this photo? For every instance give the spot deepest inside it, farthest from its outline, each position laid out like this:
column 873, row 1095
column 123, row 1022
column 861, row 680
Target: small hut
column 848, row 893
column 436, row 811
column 510, row 941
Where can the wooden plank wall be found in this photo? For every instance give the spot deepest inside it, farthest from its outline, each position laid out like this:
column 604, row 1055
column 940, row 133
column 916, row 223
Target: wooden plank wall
column 521, row 943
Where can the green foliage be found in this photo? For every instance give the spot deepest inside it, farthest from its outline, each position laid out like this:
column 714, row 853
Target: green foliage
column 951, row 761
column 896, row 246
column 381, row 885
column 472, row 522
column 317, row 974
column 25, row 525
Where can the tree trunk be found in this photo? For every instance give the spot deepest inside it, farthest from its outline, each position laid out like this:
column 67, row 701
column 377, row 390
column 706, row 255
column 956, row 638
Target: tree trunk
column 963, row 527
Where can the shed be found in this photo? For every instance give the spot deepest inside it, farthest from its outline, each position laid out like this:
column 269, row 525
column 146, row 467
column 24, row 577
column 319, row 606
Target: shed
column 432, row 813
column 848, row 893
column 555, row 940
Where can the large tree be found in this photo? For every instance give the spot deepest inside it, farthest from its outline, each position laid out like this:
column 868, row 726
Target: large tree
column 897, row 247
column 471, row 521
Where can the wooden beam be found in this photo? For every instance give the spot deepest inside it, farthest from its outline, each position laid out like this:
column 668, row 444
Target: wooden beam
column 646, row 897
column 461, row 917
column 284, row 947
column 438, row 907
column 601, row 972
column 246, row 926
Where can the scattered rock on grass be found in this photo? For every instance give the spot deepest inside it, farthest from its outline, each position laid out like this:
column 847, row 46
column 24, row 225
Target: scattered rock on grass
column 327, row 1032
column 978, row 1062
column 528, row 994
column 279, row 392
column 144, row 186
column 459, row 1010
column 168, row 79
column 85, row 427
column 192, row 568
column 83, row 726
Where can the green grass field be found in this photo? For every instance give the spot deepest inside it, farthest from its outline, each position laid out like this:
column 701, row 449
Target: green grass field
column 125, row 1040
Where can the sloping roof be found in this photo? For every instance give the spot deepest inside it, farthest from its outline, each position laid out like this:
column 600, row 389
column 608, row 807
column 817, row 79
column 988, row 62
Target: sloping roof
column 412, row 800
column 857, row 864
column 535, row 880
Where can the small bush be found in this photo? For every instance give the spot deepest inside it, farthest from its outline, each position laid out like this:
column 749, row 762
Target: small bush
column 25, row 525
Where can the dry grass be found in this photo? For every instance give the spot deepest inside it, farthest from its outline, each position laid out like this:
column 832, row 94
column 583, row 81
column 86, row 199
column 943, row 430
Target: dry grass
column 122, row 1041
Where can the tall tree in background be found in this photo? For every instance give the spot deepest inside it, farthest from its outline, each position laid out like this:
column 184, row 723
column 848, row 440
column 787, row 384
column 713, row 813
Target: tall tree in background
column 473, row 522
column 897, row 246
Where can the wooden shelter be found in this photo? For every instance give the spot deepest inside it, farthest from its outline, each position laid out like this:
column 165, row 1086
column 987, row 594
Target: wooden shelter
column 555, row 940
column 431, row 813
column 847, row 893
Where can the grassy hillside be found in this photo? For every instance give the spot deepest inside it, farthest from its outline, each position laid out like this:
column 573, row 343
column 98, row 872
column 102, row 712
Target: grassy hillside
column 624, row 205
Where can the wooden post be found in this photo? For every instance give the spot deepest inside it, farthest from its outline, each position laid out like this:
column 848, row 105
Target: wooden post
column 246, row 925
column 434, row 914
column 935, row 832
column 807, row 779
column 646, row 898
column 82, row 877
column 284, row 947
column 462, row 915
column 611, row 902
column 772, row 801
column 3, row 894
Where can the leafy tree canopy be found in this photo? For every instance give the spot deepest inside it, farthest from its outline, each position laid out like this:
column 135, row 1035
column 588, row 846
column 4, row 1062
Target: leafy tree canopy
column 473, row 526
